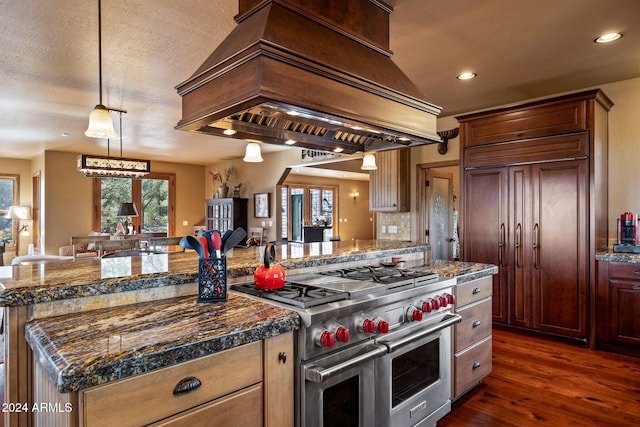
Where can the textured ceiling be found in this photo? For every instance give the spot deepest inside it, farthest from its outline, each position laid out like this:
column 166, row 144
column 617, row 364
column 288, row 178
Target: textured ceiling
column 520, row 49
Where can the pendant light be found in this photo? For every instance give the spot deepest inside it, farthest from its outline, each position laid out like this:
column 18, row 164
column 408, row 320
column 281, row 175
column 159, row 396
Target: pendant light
column 100, row 122
column 252, row 153
column 369, row 163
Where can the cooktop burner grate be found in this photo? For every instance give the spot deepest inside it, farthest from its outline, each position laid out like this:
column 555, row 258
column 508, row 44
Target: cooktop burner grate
column 296, row 294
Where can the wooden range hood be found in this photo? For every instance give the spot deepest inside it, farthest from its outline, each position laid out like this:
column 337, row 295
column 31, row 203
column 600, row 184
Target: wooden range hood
column 329, row 62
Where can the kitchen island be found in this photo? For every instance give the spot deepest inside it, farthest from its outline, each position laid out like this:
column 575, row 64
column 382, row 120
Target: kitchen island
column 35, row 293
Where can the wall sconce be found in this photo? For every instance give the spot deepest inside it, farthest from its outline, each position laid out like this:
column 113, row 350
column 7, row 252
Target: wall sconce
column 355, row 196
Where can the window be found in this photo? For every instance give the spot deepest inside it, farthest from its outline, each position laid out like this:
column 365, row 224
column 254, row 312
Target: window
column 9, row 195
column 154, row 197
column 305, row 204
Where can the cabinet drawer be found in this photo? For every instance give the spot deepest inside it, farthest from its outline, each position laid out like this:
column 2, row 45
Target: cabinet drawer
column 473, row 291
column 220, row 374
column 533, row 122
column 472, row 365
column 575, row 145
column 475, row 324
column 243, row 408
column 623, row 270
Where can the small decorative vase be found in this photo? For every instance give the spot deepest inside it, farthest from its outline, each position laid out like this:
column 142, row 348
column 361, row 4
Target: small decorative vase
column 223, row 190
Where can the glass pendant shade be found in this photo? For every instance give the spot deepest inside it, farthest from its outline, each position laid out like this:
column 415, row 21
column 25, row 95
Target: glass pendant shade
column 369, row 163
column 252, row 153
column 100, row 123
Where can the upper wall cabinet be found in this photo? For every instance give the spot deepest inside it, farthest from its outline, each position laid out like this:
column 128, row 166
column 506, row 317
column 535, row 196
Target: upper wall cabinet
column 389, row 184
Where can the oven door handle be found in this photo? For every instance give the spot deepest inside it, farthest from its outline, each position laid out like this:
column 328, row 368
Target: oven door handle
column 319, row 375
column 448, row 320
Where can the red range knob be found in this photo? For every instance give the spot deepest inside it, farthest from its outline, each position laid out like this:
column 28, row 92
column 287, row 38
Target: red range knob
column 451, row 299
column 383, row 326
column 414, row 314
column 368, row 326
column 327, row 339
column 426, row 306
column 342, row 334
column 435, row 304
column 443, row 301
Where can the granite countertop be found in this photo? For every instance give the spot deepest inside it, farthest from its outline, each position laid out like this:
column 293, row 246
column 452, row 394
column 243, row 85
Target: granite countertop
column 610, row 256
column 463, row 271
column 133, row 339
column 31, row 284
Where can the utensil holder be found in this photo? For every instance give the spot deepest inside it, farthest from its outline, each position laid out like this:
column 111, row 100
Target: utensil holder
column 212, row 280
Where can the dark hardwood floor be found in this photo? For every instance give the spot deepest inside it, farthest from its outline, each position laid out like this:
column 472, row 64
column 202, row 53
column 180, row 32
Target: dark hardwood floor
column 539, row 381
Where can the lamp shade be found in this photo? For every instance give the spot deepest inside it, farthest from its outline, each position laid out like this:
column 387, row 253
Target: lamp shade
column 100, row 123
column 369, row 162
column 252, row 153
column 128, row 209
column 18, row 212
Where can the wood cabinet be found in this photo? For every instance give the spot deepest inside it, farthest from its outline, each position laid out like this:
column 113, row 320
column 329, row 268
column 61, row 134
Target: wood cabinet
column 535, row 204
column 247, row 385
column 617, row 305
column 226, row 214
column 389, row 184
column 472, row 336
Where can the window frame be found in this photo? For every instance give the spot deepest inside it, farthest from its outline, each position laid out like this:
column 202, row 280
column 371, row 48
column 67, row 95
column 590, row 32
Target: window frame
column 14, row 202
column 136, row 194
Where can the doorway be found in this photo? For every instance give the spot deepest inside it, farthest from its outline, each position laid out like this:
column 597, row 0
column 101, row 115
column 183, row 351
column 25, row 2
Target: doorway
column 438, row 210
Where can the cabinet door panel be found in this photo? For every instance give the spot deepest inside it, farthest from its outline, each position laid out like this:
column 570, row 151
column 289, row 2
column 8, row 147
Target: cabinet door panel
column 520, row 249
column 560, row 247
column 485, row 230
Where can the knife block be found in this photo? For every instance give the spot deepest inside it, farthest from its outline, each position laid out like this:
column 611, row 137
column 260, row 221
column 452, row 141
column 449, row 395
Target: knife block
column 212, row 280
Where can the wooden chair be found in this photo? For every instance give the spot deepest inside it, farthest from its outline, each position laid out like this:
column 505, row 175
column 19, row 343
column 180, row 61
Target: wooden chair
column 256, row 233
column 164, row 242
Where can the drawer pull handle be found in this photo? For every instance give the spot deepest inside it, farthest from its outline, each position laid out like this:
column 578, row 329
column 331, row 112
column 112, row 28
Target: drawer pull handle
column 476, row 364
column 282, row 356
column 186, row 385
column 476, row 291
column 636, row 287
column 476, row 323
column 637, row 272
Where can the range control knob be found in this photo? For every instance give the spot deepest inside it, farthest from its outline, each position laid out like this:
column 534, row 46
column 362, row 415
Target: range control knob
column 414, row 315
column 382, row 326
column 443, row 301
column 368, row 326
column 434, row 303
column 451, row 299
column 342, row 334
column 326, row 339
column 427, row 305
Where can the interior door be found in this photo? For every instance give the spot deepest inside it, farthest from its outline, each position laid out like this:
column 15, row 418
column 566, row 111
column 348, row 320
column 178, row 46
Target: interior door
column 560, row 247
column 439, row 215
column 485, row 237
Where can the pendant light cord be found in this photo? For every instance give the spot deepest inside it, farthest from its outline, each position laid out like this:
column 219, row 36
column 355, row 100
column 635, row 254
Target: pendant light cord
column 100, row 47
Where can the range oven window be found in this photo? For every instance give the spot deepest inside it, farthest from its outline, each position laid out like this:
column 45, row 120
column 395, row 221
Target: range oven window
column 414, row 371
column 341, row 403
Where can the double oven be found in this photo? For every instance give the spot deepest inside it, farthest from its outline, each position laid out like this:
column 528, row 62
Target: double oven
column 379, row 357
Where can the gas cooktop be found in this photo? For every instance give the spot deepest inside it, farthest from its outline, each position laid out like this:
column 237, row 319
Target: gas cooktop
column 385, row 275
column 296, row 294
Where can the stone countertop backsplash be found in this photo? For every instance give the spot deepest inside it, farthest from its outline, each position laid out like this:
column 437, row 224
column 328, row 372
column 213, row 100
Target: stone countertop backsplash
column 86, row 349
column 41, row 283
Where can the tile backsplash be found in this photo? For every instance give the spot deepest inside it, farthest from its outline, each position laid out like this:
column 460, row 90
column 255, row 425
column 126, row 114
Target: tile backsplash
column 394, row 226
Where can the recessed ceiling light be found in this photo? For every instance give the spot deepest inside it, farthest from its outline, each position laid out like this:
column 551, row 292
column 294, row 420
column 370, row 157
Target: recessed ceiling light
column 293, row 113
column 466, row 76
column 229, row 132
column 609, row 37
column 338, row 150
column 290, row 141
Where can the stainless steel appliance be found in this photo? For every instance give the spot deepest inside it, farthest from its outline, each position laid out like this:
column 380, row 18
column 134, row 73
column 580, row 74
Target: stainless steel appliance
column 374, row 348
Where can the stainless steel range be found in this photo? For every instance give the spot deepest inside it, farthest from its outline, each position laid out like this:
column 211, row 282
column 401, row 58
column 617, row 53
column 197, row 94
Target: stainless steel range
column 374, row 348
